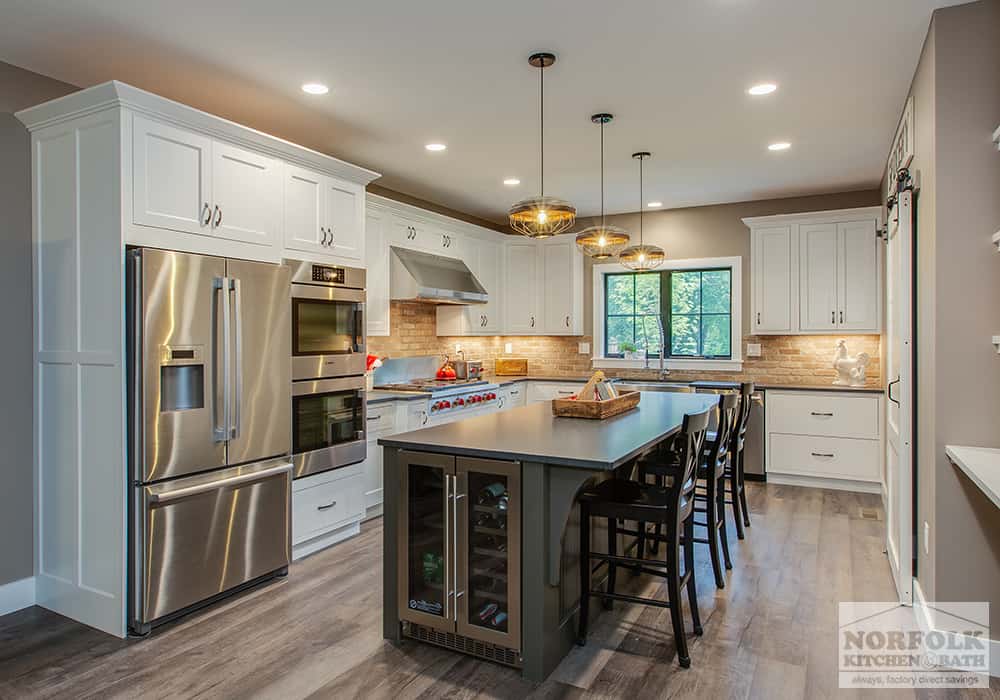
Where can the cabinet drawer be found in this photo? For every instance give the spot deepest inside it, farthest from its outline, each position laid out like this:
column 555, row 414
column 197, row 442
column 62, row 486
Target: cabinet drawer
column 381, row 419
column 823, row 413
column 546, row 391
column 326, row 506
column 836, row 458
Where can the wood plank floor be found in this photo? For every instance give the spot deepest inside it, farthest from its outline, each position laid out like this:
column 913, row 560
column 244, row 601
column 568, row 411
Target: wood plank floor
column 771, row 633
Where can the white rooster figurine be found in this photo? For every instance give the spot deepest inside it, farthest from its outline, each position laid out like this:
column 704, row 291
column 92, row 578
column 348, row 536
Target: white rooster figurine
column 850, row 370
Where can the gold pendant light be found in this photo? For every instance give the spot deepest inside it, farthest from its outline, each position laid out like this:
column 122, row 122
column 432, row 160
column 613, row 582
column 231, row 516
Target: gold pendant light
column 641, row 257
column 542, row 216
column 603, row 240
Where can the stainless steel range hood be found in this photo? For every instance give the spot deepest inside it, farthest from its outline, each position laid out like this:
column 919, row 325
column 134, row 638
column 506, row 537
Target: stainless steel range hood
column 432, row 279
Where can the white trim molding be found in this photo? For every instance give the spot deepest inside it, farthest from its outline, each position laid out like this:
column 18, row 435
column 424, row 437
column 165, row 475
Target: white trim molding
column 816, row 217
column 17, row 595
column 925, row 618
column 735, row 364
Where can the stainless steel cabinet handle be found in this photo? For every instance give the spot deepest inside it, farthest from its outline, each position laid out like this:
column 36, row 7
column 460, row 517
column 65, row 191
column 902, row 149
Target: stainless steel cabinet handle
column 323, row 231
column 565, row 393
column 424, row 421
column 888, row 390
column 238, row 410
column 371, row 418
column 218, row 216
column 532, row 321
column 822, row 454
column 332, row 237
column 567, row 321
column 833, row 317
column 328, row 506
column 820, row 413
column 841, row 316
column 215, row 485
column 207, row 213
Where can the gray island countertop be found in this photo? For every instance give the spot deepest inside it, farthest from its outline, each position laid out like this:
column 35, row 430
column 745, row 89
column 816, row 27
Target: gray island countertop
column 532, row 433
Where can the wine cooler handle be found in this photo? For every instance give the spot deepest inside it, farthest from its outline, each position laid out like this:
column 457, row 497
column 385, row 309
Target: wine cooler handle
column 456, row 496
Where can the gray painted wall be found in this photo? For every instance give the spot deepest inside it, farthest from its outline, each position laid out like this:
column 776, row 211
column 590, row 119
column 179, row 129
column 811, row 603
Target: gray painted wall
column 956, row 98
column 18, row 89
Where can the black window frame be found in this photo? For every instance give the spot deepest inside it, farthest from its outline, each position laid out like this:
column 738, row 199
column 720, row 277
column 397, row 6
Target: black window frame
column 666, row 311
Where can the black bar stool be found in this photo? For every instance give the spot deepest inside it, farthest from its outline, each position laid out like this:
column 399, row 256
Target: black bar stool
column 712, row 468
column 735, row 473
column 672, row 507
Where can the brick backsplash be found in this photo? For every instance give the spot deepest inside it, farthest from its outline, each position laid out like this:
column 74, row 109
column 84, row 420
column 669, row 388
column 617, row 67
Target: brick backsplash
column 787, row 359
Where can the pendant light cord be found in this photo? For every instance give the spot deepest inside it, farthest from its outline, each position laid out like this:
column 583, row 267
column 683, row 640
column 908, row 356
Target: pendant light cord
column 640, row 199
column 541, row 121
column 602, row 172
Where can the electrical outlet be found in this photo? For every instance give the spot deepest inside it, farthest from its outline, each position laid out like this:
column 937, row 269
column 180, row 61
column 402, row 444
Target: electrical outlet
column 753, row 349
column 508, row 348
column 584, row 348
column 927, row 537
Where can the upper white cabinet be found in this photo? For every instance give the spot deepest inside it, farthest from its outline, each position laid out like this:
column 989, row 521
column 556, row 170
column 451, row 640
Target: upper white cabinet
column 377, row 277
column 562, row 287
column 816, row 273
column 521, row 288
column 485, row 259
column 772, row 279
column 323, row 215
column 171, row 177
column 246, row 189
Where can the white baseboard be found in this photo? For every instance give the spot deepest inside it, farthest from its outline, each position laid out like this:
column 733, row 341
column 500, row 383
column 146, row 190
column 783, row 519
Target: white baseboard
column 925, row 621
column 17, row 595
column 822, row 482
column 304, row 549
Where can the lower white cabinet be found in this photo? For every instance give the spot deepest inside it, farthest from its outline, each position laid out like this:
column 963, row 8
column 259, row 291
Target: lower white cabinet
column 824, row 438
column 546, row 391
column 326, row 508
column 381, row 421
column 512, row 396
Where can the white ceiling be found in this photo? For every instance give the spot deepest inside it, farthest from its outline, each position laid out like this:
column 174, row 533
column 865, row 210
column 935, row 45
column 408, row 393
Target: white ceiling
column 405, row 73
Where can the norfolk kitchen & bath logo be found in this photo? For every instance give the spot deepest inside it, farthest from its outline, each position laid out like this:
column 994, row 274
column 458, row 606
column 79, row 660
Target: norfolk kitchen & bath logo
column 882, row 645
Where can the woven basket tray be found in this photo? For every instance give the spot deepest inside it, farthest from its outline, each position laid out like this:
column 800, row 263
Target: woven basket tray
column 596, row 410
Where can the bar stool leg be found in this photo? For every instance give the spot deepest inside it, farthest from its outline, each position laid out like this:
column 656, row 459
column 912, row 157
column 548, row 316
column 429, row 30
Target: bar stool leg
column 743, row 493
column 689, row 569
column 734, row 492
column 584, row 573
column 612, row 567
column 723, row 528
column 654, row 547
column 712, row 520
column 674, row 591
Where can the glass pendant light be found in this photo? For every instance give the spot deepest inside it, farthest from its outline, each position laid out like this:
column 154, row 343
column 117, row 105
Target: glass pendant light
column 542, row 216
column 603, row 240
column 641, row 257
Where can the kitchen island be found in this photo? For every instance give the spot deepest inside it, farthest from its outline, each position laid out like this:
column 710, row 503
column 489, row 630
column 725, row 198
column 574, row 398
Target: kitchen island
column 481, row 529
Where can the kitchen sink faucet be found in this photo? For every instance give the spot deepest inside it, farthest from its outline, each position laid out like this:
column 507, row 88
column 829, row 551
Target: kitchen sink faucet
column 664, row 372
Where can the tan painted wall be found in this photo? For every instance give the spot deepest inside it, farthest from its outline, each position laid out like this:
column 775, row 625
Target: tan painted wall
column 966, row 299
column 18, row 89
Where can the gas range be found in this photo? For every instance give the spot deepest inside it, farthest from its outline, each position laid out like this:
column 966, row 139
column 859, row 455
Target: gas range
column 450, row 396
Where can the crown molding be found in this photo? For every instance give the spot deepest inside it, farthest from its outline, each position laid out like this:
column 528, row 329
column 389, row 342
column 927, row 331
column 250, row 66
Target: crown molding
column 828, row 216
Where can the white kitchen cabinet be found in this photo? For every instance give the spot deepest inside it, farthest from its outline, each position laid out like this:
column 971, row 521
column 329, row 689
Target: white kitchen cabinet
column 484, row 259
column 246, row 192
column 377, row 277
column 824, row 438
column 546, row 391
column 323, row 215
column 818, row 277
column 381, row 421
column 521, row 293
column 513, row 395
column 772, row 280
column 326, row 508
column 561, row 287
column 171, row 177
column 816, row 273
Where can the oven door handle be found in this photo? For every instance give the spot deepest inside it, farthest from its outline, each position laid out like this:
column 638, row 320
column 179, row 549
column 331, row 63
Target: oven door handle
column 359, row 331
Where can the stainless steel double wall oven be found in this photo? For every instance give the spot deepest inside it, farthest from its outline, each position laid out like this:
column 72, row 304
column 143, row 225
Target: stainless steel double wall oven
column 328, row 367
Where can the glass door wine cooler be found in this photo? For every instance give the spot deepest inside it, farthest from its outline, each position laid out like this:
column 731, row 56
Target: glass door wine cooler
column 460, row 545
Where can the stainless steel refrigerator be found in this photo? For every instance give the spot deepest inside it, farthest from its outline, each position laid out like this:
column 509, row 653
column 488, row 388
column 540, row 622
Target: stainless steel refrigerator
column 209, row 347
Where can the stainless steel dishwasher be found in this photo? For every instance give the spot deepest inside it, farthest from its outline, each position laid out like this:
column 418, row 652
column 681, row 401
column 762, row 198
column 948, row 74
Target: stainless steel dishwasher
column 753, row 449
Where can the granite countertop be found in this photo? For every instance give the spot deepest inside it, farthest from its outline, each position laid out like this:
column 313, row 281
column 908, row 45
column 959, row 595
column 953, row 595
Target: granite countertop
column 533, row 434
column 981, row 465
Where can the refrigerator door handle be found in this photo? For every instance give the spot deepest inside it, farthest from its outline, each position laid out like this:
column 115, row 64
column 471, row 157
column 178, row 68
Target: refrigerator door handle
column 221, row 284
column 175, row 494
column 238, row 400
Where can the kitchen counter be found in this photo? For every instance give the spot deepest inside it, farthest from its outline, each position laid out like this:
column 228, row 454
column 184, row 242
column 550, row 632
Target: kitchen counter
column 382, row 395
column 532, row 433
column 551, row 458
column 981, row 465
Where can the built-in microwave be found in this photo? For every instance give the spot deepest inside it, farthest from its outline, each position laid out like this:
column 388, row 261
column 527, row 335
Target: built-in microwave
column 328, row 424
column 328, row 321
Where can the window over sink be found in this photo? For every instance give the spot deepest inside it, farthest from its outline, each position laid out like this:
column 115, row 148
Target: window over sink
column 697, row 301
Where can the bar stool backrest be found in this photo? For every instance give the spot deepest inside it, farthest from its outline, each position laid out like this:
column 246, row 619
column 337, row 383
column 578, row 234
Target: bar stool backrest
column 689, row 445
column 718, row 451
column 740, row 431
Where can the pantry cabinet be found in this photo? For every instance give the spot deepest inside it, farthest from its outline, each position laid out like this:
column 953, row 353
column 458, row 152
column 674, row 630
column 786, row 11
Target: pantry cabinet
column 816, row 273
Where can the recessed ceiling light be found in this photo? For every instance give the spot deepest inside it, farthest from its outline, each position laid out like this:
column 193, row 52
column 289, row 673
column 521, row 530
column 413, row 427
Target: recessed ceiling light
column 762, row 89
column 654, row 205
column 779, row 146
column 315, row 88
column 435, row 147
column 511, row 181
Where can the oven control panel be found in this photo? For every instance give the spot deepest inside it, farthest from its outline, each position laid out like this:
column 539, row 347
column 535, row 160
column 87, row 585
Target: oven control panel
column 328, row 274
column 462, row 401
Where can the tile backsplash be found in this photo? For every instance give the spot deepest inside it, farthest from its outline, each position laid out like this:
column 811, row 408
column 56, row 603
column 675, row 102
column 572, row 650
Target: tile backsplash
column 787, row 359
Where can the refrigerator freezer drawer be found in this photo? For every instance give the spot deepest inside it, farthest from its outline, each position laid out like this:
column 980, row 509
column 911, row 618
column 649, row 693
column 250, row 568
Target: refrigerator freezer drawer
column 203, row 535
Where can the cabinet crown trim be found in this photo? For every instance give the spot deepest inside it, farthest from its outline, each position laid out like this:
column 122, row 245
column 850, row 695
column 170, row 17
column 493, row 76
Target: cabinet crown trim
column 115, row 94
column 432, row 218
column 833, row 215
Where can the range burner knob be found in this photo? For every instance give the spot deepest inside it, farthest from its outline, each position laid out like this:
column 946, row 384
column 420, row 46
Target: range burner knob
column 459, row 402
column 446, row 404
